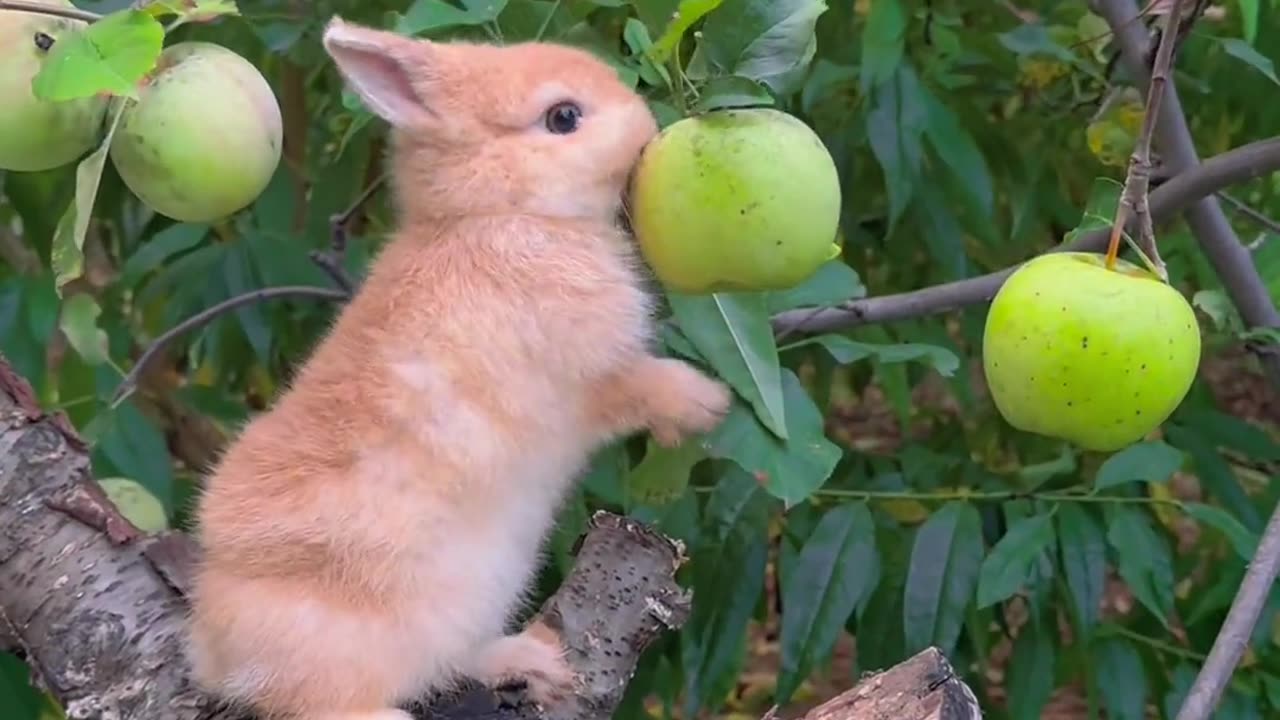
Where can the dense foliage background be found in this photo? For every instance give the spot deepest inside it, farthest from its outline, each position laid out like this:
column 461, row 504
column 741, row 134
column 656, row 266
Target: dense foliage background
column 863, row 500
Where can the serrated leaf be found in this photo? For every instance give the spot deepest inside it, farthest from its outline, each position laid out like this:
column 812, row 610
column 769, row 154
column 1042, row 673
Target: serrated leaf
column 663, row 474
column 1244, row 52
column 67, row 253
column 687, row 13
column 1031, row 669
column 941, row 577
column 136, row 503
column 1083, row 549
column 837, row 570
column 732, row 91
column 1220, row 310
column 791, row 469
column 834, row 282
column 1150, row 461
column 958, row 151
column 896, row 123
column 1144, row 560
column 845, row 351
column 1034, row 39
column 1012, row 559
column 883, row 41
column 727, row 581
column 771, row 41
column 1120, row 677
column 79, row 323
column 110, row 56
column 1244, row 542
column 732, row 331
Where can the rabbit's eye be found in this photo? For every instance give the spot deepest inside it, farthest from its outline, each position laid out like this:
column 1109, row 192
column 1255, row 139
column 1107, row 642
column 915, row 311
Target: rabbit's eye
column 562, row 118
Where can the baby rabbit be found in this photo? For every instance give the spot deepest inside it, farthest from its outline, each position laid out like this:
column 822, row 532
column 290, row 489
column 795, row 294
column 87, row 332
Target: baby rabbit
column 369, row 537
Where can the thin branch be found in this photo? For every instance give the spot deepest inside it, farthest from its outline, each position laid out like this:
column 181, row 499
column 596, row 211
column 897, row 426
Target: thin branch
column 1244, row 209
column 330, row 260
column 1234, row 265
column 1173, row 196
column 54, row 10
column 204, row 317
column 1137, row 183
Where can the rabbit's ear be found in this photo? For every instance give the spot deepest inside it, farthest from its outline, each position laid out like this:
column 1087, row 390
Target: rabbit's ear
column 381, row 68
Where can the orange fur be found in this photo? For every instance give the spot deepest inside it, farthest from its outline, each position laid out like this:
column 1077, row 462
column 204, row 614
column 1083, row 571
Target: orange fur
column 368, row 538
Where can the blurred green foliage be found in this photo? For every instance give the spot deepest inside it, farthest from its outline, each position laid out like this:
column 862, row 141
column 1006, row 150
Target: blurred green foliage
column 968, row 137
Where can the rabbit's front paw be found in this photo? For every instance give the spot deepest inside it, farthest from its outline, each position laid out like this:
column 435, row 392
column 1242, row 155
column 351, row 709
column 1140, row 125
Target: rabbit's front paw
column 532, row 663
column 685, row 401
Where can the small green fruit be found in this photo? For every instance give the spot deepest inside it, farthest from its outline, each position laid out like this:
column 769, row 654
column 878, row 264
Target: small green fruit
column 204, row 137
column 735, row 200
column 39, row 134
column 1097, row 357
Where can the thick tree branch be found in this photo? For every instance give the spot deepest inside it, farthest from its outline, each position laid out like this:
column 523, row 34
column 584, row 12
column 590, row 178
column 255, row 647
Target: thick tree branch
column 1234, row 265
column 1184, row 189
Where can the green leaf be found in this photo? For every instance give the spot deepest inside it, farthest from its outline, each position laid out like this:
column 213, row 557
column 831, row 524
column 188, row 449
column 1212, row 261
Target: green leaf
column 895, row 127
column 1030, row 672
column 791, row 469
column 127, row 444
column 837, row 570
column 1100, row 210
column 1083, row 549
column 1144, row 560
column 136, row 503
column 175, row 239
column 771, row 41
column 1244, row 542
column 67, row 254
column 883, row 41
column 1216, row 475
column 1120, row 677
column 1028, row 39
column 1249, row 10
column 425, row 16
column 1012, row 559
column 943, row 572
column 190, row 10
column 728, row 577
column 109, row 56
column 834, row 282
column 732, row 331
column 79, row 322
column 732, row 91
column 958, row 151
column 1243, row 51
column 663, row 474
column 687, row 13
column 845, row 351
column 1150, row 461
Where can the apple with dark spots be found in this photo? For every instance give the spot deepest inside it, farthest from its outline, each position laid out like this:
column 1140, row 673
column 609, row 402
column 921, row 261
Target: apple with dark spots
column 735, row 200
column 1095, row 356
column 204, row 137
column 38, row 134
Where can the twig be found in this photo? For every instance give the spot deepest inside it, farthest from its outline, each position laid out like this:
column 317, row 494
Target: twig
column 330, row 261
column 1234, row 266
column 1250, row 213
column 1173, row 196
column 55, row 10
column 1138, row 182
column 130, row 381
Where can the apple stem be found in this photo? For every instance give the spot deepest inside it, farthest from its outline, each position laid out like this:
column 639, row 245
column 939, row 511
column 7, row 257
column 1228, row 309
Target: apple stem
column 54, row 10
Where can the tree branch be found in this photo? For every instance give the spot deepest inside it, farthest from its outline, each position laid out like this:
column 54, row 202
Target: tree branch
column 1234, row 265
column 1184, row 189
column 208, row 315
column 54, row 10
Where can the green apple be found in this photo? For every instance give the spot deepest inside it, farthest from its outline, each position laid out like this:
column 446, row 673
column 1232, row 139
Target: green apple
column 40, row 134
column 204, row 137
column 1099, row 357
column 735, row 200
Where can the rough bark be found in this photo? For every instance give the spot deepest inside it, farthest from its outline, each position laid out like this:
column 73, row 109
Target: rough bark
column 96, row 606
